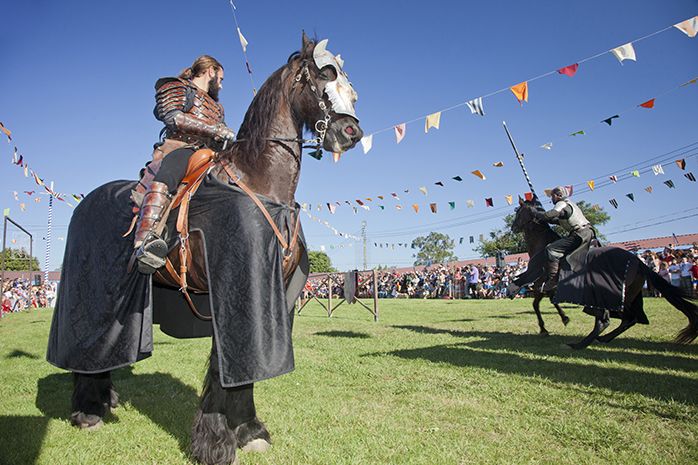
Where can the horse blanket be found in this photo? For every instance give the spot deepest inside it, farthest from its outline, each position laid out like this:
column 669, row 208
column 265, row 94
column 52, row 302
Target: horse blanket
column 596, row 278
column 104, row 314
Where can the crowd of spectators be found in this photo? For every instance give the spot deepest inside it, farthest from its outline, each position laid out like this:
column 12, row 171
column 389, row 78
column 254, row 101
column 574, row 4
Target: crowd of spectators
column 22, row 294
column 678, row 266
column 431, row 282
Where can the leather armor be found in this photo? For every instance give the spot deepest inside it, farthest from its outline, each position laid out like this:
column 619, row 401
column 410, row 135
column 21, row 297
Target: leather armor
column 190, row 115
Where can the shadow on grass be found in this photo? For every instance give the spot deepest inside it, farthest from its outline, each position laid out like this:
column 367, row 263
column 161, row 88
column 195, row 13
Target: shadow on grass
column 167, row 401
column 349, row 334
column 20, row 353
column 21, row 438
column 505, row 353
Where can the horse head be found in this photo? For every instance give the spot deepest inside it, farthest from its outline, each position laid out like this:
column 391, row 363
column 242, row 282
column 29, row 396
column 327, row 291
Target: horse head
column 323, row 97
column 524, row 215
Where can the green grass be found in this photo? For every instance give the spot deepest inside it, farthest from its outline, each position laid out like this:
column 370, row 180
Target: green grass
column 433, row 382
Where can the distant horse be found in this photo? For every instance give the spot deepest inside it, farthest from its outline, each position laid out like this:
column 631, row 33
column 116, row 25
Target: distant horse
column 609, row 286
column 249, row 247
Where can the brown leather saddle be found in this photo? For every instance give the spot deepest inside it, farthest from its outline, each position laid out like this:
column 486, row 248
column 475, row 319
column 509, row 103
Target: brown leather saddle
column 185, row 265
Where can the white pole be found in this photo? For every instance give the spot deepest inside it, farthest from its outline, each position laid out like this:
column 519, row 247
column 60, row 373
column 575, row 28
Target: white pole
column 48, row 236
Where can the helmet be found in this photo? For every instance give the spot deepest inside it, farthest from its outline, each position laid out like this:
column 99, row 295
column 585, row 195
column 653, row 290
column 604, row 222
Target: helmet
column 561, row 191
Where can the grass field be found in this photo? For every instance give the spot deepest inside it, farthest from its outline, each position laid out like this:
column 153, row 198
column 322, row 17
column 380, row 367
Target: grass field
column 433, row 382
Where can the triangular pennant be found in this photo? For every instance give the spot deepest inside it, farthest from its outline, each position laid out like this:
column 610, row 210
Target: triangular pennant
column 380, row 197
column 439, row 183
column 489, row 202
column 610, row 120
column 688, row 83
column 367, row 143
column 688, row 27
column 475, row 106
column 614, row 202
column 648, row 189
column 415, row 207
column 509, row 199
column 547, row 146
column 400, row 132
column 395, row 196
column 578, row 133
column 528, row 196
column 331, row 208
column 657, row 169
column 423, row 190
column 452, row 205
column 6, row 131
column 647, row 104
column 470, row 203
column 613, row 179
column 471, row 239
column 479, row 174
column 635, row 173
column 457, row 178
column 460, row 240
column 520, row 91
column 360, row 202
column 498, row 164
column 669, row 183
column 624, row 52
column 681, row 163
column 570, row 70
column 690, row 176
column 432, row 121
column 590, row 183
column 243, row 41
column 630, row 196
column 433, row 207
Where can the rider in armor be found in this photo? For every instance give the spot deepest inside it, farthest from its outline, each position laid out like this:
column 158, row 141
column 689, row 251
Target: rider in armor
column 570, row 217
column 188, row 106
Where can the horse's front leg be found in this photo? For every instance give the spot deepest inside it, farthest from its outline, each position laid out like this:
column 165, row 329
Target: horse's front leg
column 600, row 324
column 537, row 297
column 93, row 397
column 565, row 319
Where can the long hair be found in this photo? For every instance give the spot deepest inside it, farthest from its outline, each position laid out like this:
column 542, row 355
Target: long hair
column 200, row 65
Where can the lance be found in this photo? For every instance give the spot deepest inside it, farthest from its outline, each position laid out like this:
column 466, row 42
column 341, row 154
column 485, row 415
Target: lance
column 519, row 157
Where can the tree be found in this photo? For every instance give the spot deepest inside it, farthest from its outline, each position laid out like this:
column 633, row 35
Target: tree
column 507, row 241
column 18, row 260
column 320, row 262
column 434, row 248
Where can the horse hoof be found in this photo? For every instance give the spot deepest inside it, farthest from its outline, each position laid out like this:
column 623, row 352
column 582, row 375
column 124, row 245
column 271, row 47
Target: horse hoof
column 86, row 422
column 113, row 398
column 256, row 445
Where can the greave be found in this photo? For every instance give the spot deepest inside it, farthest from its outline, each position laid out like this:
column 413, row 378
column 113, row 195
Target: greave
column 151, row 248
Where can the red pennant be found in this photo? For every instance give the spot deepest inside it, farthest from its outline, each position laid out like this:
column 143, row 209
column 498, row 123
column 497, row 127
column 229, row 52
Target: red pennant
column 648, row 104
column 570, row 70
column 489, row 202
column 528, row 196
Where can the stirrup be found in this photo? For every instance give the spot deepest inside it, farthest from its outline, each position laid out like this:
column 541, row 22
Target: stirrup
column 152, row 254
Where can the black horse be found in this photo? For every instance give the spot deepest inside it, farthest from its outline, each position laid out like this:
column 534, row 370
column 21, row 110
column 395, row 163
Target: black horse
column 608, row 286
column 105, row 312
column 535, row 241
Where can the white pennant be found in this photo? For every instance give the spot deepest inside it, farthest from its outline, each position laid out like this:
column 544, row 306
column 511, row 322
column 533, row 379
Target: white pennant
column 367, row 143
column 688, row 27
column 243, row 41
column 476, row 107
column 624, row 52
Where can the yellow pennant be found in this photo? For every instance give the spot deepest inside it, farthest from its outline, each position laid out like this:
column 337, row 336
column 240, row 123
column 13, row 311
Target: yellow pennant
column 520, row 91
column 509, row 199
column 432, row 121
column 591, row 184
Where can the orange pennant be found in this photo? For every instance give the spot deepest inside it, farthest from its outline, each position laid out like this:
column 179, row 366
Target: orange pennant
column 415, row 207
column 479, row 174
column 648, row 104
column 520, row 91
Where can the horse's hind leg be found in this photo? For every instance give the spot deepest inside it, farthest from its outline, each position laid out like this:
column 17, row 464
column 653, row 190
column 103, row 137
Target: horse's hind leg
column 213, row 441
column 537, row 297
column 600, row 324
column 565, row 319
column 93, row 396
column 629, row 320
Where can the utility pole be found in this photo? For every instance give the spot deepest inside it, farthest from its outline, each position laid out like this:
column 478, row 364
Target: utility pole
column 363, row 237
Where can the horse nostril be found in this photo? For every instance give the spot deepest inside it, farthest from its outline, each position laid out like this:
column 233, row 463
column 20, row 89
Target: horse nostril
column 349, row 130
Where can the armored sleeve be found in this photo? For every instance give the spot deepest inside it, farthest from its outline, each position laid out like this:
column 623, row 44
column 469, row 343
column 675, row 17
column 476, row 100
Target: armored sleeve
column 171, row 97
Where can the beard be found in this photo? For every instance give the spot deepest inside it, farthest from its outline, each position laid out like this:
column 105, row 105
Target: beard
column 213, row 88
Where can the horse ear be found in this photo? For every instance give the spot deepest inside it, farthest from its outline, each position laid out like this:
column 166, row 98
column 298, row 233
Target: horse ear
column 306, row 46
column 521, row 202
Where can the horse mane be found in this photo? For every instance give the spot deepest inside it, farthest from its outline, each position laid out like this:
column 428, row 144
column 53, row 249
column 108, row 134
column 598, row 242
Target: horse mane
column 258, row 122
column 550, row 234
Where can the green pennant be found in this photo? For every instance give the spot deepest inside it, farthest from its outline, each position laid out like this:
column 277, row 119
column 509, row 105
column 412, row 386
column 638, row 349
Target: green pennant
column 316, row 154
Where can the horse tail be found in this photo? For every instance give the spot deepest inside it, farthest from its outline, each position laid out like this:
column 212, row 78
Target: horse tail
column 680, row 299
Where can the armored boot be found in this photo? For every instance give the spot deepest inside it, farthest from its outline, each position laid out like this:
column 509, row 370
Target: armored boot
column 151, row 249
column 552, row 268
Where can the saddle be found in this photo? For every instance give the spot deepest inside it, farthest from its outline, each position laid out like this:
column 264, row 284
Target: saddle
column 188, row 256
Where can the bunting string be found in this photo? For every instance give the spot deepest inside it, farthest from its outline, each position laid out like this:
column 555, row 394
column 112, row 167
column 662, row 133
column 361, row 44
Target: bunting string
column 243, row 45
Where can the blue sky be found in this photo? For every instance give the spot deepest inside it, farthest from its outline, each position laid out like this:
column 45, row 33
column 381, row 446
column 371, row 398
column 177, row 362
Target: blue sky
column 77, row 92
